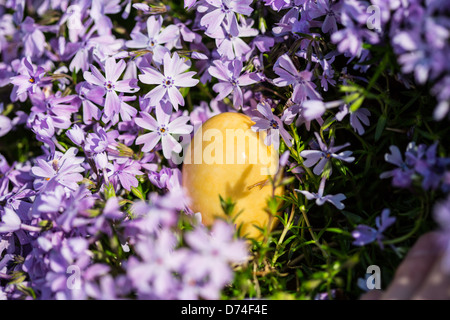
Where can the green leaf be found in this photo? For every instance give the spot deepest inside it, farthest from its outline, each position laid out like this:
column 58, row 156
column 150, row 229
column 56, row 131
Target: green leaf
column 138, row 192
column 380, row 126
column 356, row 104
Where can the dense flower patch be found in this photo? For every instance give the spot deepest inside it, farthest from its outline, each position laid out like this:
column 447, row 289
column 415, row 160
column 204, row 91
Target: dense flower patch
column 95, row 96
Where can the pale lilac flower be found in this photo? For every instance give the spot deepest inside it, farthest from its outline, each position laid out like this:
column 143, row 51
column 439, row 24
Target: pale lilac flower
column 364, row 234
column 5, row 125
column 29, row 78
column 111, row 84
column 64, row 169
column 126, row 173
column 272, row 124
column 168, row 83
column 320, row 198
column 225, row 10
column 320, row 158
column 162, row 130
column 155, row 39
column 230, row 80
column 33, row 38
column 300, row 80
column 10, row 221
column 358, row 118
column 402, row 176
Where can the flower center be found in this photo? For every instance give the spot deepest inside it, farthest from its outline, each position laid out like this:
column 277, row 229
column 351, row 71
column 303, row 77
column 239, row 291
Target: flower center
column 326, row 154
column 168, row 82
column 32, row 80
column 224, row 9
column 162, row 130
column 109, row 86
column 274, row 124
column 151, row 43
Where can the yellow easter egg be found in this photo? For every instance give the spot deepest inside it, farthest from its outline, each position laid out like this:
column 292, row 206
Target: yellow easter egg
column 227, row 158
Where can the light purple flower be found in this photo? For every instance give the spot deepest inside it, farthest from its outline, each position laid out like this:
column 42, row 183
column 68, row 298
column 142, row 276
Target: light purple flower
column 320, row 198
column 230, row 80
column 402, row 176
column 168, row 83
column 111, row 84
column 162, row 130
column 64, row 169
column 272, row 124
column 155, row 39
column 364, row 234
column 300, row 80
column 320, row 158
column 225, row 10
column 29, row 78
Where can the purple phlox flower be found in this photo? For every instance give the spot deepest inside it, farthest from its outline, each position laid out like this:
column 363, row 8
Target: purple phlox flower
column 5, row 125
column 263, row 43
column 358, row 118
column 59, row 108
column 43, row 127
column 90, row 95
column 33, row 38
column 70, row 256
column 99, row 11
column 111, row 84
column 224, row 10
column 202, row 65
column 73, row 17
column 168, row 83
column 212, row 259
column 301, row 81
column 28, row 79
column 233, row 47
column 320, row 158
column 101, row 140
column 297, row 110
column 272, row 124
column 277, row 4
column 76, row 213
column 154, row 276
column 427, row 164
column 230, row 80
column 126, row 173
column 162, row 130
column 314, row 109
column 155, row 39
column 320, row 198
column 328, row 73
column 64, row 169
column 148, row 219
column 76, row 135
column 331, row 13
column 285, row 24
column 161, row 178
column 349, row 40
column 402, row 176
column 364, row 234
column 11, row 222
column 182, row 32
column 126, row 111
column 53, row 200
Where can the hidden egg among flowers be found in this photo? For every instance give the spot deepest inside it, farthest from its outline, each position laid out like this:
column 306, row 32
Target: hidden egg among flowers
column 227, row 159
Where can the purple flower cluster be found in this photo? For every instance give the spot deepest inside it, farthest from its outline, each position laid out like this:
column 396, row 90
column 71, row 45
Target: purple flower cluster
column 420, row 163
